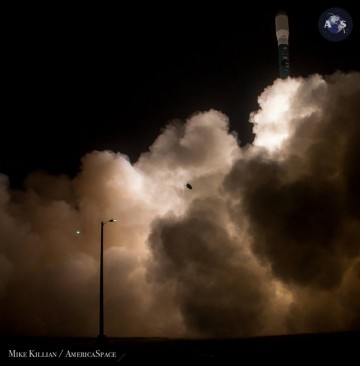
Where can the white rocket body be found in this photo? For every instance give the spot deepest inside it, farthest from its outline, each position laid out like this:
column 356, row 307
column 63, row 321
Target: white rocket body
column 282, row 35
column 282, row 28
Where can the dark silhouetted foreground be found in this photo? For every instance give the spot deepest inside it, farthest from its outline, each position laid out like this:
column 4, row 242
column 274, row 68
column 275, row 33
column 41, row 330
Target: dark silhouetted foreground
column 162, row 351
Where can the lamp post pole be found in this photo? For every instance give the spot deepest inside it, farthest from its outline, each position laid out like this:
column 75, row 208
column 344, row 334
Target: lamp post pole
column 101, row 335
column 101, row 306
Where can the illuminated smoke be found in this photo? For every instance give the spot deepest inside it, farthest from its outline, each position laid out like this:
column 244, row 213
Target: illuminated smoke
column 265, row 242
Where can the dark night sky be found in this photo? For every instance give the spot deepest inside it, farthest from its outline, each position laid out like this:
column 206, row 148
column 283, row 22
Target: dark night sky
column 77, row 80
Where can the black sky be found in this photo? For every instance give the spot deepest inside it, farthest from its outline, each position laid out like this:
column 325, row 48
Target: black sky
column 78, row 80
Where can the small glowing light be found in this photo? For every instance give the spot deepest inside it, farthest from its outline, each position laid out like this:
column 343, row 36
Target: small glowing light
column 78, row 232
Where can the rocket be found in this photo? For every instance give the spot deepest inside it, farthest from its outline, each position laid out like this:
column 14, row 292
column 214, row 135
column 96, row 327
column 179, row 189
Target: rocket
column 282, row 35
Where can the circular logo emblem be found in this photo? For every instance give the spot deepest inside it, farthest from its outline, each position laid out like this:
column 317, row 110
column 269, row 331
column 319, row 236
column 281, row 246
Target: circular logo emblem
column 335, row 24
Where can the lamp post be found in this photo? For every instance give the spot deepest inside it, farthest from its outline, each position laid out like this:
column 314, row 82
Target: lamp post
column 101, row 335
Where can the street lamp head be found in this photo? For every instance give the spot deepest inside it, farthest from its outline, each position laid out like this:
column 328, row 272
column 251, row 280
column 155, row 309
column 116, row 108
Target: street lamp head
column 111, row 220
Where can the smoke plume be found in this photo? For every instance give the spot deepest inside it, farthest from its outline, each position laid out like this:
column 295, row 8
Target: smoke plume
column 267, row 241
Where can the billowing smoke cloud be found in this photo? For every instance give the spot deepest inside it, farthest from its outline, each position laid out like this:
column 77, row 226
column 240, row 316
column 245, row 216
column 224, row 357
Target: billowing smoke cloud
column 266, row 242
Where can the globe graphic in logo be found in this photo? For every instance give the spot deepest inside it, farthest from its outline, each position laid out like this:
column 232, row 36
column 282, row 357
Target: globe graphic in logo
column 335, row 24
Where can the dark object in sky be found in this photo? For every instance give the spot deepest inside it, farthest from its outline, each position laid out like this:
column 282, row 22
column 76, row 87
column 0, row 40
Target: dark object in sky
column 189, row 186
column 282, row 35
